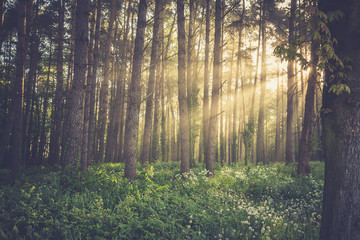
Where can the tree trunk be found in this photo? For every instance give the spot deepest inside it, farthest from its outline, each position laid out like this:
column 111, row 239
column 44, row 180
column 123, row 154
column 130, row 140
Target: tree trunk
column 42, row 143
column 76, row 108
column 104, row 90
column 66, row 123
column 89, row 85
column 309, row 114
column 155, row 134
column 184, row 115
column 260, row 148
column 341, row 130
column 189, row 77
column 249, row 133
column 206, row 103
column 91, row 148
column 15, row 115
column 145, row 149
column 58, row 108
column 277, row 156
column 119, row 115
column 2, row 11
column 213, row 128
column 229, row 112
column 290, row 121
column 29, row 96
column 134, row 97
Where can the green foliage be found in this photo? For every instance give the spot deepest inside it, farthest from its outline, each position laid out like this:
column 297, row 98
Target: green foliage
column 316, row 26
column 259, row 202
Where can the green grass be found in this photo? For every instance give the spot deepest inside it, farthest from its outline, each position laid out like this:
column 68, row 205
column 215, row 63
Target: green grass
column 257, row 202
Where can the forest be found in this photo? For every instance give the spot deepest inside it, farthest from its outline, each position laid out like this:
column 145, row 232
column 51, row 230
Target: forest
column 180, row 119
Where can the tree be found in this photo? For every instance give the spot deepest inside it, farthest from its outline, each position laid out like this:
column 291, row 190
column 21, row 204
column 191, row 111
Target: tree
column 184, row 115
column 15, row 116
column 2, row 10
column 290, row 121
column 206, row 103
column 210, row 161
column 56, row 129
column 309, row 113
column 104, row 90
column 76, row 108
column 134, row 96
column 260, row 148
column 91, row 148
column 145, row 149
column 341, row 126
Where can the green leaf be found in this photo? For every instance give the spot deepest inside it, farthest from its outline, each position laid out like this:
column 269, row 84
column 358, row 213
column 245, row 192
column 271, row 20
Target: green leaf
column 339, row 88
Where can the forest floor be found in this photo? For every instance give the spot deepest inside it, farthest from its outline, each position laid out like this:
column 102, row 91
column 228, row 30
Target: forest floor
column 239, row 202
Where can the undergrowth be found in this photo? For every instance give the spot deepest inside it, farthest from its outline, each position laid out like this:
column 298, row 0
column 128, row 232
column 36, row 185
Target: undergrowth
column 238, row 202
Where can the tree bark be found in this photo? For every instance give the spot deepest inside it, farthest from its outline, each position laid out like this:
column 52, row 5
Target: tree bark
column 290, row 121
column 89, row 85
column 249, row 135
column 104, row 90
column 120, row 94
column 309, row 114
column 260, row 147
column 92, row 82
column 134, row 97
column 15, row 115
column 184, row 115
column 341, row 130
column 29, row 96
column 66, row 123
column 2, row 11
column 145, row 149
column 58, row 108
column 277, row 156
column 213, row 127
column 206, row 103
column 76, row 108
column 42, row 142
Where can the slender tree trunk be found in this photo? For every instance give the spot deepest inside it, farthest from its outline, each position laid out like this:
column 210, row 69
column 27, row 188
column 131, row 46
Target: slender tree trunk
column 206, row 104
column 15, row 115
column 222, row 138
column 30, row 128
column 119, row 115
column 277, row 156
column 163, row 136
column 134, row 97
column 29, row 96
column 238, row 72
column 290, row 121
column 42, row 143
column 91, row 148
column 155, row 135
column 229, row 112
column 104, row 90
column 2, row 11
column 59, row 92
column 213, row 128
column 145, row 149
column 260, row 148
column 35, row 139
column 248, row 140
column 184, row 115
column 309, row 115
column 77, row 89
column 189, row 77
column 66, row 123
column 89, row 85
